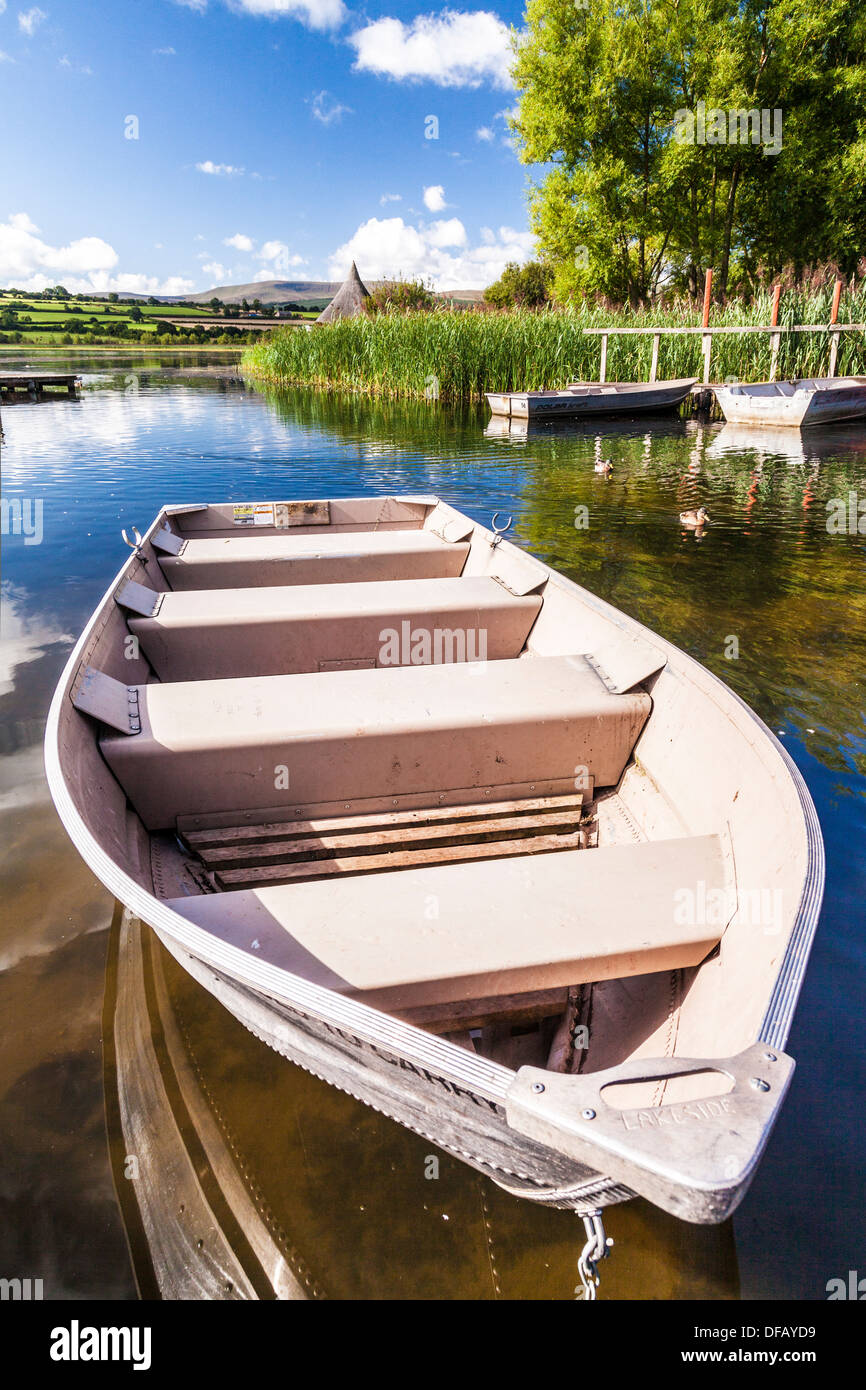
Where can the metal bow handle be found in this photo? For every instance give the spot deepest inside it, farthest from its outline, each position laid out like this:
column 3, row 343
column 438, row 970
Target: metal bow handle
column 499, row 531
column 135, row 544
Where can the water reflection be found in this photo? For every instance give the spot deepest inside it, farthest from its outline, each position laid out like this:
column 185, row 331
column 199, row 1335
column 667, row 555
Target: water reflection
column 152, row 428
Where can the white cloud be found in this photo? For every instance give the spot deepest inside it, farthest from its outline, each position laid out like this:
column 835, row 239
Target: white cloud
column 2, row 6
column 316, row 14
column 4, row 57
column 217, row 272
column 446, row 233
column 390, row 198
column 239, row 242
column 166, row 52
column 386, row 247
column 485, row 133
column 207, row 166
column 30, row 20
column 328, row 109
column 22, row 223
column 434, row 198
column 452, row 49
column 276, row 254
column 81, row 68
column 28, row 262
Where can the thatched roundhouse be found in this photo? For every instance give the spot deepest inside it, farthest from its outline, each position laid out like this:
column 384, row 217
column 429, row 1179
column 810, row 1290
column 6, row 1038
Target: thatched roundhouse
column 348, row 301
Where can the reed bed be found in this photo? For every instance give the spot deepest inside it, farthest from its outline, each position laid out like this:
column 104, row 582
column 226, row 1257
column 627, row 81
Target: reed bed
column 460, row 354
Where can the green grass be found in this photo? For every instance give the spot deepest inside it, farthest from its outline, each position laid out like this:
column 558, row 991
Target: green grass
column 86, row 322
column 461, row 353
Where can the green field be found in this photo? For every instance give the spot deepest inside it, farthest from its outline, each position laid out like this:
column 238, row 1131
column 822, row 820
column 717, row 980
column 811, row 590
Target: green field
column 48, row 322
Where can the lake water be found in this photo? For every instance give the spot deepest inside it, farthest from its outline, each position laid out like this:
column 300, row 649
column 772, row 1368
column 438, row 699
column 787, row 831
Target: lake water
column 769, row 598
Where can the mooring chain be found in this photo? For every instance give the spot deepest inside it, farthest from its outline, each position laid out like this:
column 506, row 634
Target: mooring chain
column 597, row 1248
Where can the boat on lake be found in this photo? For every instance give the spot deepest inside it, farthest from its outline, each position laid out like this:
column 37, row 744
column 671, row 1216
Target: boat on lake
column 584, row 398
column 452, row 834
column 793, row 404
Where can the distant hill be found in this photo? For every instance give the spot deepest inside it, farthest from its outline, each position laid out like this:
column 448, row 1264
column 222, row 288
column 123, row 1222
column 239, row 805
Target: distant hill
column 268, row 291
column 310, row 292
column 301, row 291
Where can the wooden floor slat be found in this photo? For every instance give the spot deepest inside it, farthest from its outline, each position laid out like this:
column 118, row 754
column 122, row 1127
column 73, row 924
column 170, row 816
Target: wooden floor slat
column 330, row 846
column 400, row 859
column 373, row 823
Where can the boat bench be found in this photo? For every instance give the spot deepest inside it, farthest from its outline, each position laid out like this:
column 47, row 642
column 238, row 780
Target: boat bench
column 272, row 742
column 502, row 926
column 208, row 634
column 223, row 562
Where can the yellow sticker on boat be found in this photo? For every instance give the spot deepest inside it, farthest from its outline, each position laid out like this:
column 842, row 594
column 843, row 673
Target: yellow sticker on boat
column 253, row 514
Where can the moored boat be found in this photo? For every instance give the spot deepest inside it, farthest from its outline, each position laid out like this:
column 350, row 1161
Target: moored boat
column 585, row 398
column 454, row 835
column 794, row 404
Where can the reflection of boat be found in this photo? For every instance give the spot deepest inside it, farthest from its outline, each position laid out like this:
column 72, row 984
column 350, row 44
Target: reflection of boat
column 218, row 1205
column 768, row 441
column 491, row 898
column 516, row 427
column 584, row 398
column 195, row 1228
column 810, row 401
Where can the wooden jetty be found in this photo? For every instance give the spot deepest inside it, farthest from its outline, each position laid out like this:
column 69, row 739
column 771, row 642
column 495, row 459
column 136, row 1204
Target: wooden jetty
column 34, row 383
column 833, row 328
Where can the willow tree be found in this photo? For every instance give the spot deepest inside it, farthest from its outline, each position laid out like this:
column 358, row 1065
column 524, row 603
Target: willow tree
column 632, row 196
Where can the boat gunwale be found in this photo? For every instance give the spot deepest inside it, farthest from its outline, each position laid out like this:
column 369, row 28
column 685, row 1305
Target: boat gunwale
column 488, row 1079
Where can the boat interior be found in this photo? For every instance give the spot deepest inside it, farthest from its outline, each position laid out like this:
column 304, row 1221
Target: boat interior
column 395, row 755
column 790, row 388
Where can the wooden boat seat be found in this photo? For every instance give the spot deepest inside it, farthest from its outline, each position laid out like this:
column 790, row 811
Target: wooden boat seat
column 501, row 926
column 276, row 741
column 207, row 634
column 224, row 562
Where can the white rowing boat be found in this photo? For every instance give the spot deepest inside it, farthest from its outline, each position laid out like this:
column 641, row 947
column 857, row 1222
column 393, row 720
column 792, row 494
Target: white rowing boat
column 810, row 401
column 585, row 398
column 453, row 834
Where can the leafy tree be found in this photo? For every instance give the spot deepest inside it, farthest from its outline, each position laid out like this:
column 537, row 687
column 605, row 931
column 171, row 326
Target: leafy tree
column 627, row 206
column 112, row 298
column 526, row 286
column 135, row 314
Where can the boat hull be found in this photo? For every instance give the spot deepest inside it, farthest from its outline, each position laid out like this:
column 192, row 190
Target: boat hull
column 794, row 405
column 525, row 1139
column 585, row 400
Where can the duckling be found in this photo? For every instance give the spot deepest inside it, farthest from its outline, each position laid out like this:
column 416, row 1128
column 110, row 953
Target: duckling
column 604, row 467
column 695, row 518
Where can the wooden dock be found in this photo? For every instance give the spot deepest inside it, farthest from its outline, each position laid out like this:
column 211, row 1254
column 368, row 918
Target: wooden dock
column 34, row 383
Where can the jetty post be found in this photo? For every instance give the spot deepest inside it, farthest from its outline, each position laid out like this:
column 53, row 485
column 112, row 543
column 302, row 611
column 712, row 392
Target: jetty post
column 708, row 337
column 834, row 337
column 775, row 338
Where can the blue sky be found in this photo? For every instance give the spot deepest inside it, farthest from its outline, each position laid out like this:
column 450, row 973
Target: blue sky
column 171, row 145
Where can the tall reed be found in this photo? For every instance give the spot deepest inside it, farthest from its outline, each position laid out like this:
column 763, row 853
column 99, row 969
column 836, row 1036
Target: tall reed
column 460, row 354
